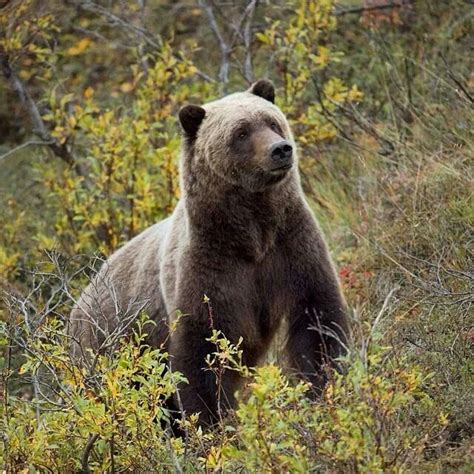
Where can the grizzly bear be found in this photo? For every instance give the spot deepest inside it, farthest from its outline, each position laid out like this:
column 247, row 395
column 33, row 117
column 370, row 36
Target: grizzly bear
column 243, row 236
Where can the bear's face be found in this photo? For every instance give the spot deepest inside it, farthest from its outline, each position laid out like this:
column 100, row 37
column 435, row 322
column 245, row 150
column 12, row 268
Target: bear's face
column 244, row 138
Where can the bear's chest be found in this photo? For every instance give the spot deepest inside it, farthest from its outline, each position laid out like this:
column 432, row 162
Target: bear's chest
column 270, row 280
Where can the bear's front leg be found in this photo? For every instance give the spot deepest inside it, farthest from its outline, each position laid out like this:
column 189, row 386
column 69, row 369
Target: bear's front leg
column 314, row 342
column 209, row 392
column 230, row 309
column 318, row 324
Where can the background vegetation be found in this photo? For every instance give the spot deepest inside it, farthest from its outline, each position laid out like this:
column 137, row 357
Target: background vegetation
column 379, row 94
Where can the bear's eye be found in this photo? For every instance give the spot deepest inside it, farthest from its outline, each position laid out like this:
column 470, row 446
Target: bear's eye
column 275, row 127
column 242, row 135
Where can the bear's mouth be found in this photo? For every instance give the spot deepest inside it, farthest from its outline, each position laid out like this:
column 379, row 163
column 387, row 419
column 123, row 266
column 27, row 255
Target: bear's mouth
column 282, row 168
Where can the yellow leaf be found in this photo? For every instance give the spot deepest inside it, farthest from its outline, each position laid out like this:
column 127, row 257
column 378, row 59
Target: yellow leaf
column 79, row 47
column 88, row 93
column 112, row 388
column 24, row 74
column 126, row 87
column 355, row 94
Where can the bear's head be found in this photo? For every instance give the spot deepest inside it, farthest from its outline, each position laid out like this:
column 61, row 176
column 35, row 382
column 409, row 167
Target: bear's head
column 243, row 138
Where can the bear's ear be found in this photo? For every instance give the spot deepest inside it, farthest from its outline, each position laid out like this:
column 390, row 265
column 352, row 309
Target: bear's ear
column 265, row 89
column 190, row 117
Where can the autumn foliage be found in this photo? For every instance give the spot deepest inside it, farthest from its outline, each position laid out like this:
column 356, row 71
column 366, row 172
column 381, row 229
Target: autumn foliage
column 379, row 98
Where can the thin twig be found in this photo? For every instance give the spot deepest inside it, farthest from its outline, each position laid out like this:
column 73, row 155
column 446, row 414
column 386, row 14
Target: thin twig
column 367, row 342
column 24, row 145
column 456, row 80
column 368, row 8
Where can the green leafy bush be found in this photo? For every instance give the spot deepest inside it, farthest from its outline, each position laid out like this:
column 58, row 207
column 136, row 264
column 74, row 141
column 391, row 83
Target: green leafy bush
column 112, row 412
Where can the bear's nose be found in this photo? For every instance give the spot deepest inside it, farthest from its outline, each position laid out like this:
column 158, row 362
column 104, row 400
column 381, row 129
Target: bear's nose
column 281, row 151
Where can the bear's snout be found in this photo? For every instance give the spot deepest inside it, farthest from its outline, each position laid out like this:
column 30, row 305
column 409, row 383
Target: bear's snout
column 281, row 154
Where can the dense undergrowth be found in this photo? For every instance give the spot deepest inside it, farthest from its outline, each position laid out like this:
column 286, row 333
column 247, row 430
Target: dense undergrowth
column 381, row 105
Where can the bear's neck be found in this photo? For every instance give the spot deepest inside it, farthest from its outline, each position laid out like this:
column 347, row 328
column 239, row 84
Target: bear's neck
column 235, row 222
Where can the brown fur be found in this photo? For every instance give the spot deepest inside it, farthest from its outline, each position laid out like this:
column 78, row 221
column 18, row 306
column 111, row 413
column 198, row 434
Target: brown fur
column 241, row 234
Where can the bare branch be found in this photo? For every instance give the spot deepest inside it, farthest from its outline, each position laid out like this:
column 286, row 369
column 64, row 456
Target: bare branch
column 141, row 46
column 39, row 128
column 456, row 80
column 154, row 41
column 223, row 46
column 143, row 35
column 241, row 31
column 26, row 99
column 368, row 8
column 249, row 12
column 87, row 451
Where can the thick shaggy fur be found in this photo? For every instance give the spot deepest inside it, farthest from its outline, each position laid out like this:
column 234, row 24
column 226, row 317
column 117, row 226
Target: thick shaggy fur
column 243, row 235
